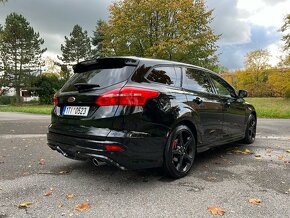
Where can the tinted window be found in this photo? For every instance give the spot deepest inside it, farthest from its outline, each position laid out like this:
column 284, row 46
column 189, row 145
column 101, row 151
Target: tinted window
column 222, row 87
column 100, row 77
column 196, row 80
column 165, row 75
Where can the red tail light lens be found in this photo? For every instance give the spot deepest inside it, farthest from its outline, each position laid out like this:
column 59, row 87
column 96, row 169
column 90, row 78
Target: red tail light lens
column 126, row 96
column 55, row 101
column 113, row 148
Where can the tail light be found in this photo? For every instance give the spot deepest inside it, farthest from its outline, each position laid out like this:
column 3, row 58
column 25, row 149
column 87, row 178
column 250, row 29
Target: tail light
column 126, row 96
column 55, row 100
column 113, row 148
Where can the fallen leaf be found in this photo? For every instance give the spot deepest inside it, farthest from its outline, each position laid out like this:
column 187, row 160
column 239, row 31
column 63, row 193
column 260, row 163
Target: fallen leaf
column 48, row 193
column 257, row 155
column 216, row 211
column 246, row 151
column 70, row 214
column 211, row 178
column 281, row 157
column 24, row 205
column 269, row 155
column 70, row 196
column 258, row 158
column 255, row 201
column 60, row 205
column 288, row 151
column 42, row 162
column 82, row 207
column 63, row 172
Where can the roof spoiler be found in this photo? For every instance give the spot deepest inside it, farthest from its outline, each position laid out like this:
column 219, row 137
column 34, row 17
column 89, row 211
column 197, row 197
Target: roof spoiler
column 104, row 63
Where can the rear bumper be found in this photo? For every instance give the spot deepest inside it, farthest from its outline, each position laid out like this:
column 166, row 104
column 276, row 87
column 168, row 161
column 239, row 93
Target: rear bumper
column 142, row 152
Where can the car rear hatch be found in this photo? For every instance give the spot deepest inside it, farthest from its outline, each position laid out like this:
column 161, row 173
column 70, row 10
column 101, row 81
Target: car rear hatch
column 76, row 112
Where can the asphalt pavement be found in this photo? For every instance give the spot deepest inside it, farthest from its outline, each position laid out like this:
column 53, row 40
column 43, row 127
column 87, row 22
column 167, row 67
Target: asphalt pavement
column 225, row 177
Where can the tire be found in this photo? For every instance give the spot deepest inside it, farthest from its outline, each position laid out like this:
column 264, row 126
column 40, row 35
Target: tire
column 250, row 133
column 179, row 153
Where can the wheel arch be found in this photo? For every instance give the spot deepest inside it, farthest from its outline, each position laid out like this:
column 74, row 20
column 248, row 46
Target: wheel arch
column 190, row 124
column 255, row 114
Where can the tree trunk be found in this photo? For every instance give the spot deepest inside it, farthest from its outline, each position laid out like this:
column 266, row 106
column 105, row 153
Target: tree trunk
column 18, row 97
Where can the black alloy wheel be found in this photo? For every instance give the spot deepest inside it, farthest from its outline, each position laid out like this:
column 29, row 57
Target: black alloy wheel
column 179, row 152
column 250, row 133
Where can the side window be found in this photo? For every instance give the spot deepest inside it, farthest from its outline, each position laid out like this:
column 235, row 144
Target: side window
column 165, row 75
column 196, row 80
column 222, row 87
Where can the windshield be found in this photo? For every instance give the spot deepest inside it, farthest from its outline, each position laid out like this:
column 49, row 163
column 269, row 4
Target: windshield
column 101, row 78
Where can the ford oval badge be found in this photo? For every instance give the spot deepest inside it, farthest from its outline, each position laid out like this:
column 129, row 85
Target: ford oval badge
column 71, row 99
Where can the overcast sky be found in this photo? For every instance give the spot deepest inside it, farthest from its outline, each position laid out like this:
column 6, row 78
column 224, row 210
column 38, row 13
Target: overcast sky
column 245, row 25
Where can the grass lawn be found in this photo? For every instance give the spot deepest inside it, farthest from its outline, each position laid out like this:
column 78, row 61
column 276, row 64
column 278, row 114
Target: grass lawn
column 271, row 107
column 266, row 107
column 36, row 109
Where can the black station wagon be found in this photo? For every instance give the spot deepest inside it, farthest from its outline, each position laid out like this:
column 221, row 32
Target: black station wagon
column 137, row 113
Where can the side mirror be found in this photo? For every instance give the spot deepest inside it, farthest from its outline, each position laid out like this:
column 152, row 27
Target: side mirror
column 243, row 94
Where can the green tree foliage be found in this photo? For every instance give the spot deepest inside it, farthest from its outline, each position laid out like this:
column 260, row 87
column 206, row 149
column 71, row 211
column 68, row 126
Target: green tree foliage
column 174, row 30
column 257, row 60
column 98, row 39
column 285, row 61
column 20, row 52
column 49, row 84
column 77, row 46
column 285, row 29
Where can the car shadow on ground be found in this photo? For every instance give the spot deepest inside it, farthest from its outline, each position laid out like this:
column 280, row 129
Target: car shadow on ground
column 206, row 165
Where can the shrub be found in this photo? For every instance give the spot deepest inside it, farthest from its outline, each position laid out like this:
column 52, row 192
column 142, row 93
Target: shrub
column 287, row 93
column 5, row 100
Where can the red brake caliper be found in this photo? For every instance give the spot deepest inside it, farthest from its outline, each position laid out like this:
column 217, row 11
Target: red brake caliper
column 173, row 144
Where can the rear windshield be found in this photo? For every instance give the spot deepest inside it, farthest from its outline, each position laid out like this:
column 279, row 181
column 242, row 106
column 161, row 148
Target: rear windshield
column 100, row 77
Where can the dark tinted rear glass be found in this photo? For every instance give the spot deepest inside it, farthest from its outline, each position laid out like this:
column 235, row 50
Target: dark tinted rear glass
column 165, row 75
column 101, row 77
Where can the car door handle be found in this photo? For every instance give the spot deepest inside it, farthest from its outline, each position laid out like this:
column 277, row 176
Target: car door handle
column 197, row 100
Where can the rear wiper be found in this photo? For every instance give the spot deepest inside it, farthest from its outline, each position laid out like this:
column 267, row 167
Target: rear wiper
column 82, row 86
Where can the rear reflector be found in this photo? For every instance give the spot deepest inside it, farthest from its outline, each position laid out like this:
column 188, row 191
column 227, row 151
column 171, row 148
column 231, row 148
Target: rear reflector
column 126, row 96
column 113, row 148
column 55, row 101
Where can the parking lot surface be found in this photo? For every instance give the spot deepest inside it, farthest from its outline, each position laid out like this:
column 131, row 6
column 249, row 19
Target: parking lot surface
column 226, row 177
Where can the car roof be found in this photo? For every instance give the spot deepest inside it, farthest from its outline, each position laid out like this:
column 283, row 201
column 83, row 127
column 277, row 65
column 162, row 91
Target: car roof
column 140, row 60
column 153, row 62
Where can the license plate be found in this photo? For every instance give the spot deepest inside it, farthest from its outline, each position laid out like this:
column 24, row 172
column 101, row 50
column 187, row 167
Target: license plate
column 76, row 111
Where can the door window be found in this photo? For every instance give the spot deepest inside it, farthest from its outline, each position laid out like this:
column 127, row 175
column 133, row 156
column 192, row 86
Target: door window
column 222, row 87
column 196, row 80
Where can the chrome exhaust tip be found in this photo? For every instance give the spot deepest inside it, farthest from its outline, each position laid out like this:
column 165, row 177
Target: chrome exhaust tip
column 96, row 162
column 61, row 151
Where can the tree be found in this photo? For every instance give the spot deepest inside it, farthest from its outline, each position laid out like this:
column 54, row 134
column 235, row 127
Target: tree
column 174, row 30
column 20, row 52
column 49, row 84
column 285, row 61
column 285, row 29
column 98, row 39
column 257, row 60
column 77, row 46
